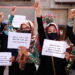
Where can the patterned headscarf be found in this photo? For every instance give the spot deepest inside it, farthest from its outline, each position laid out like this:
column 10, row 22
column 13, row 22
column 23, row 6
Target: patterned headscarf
column 31, row 26
column 52, row 24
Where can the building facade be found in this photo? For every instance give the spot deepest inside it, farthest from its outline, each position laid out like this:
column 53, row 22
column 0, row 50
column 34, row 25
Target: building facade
column 59, row 8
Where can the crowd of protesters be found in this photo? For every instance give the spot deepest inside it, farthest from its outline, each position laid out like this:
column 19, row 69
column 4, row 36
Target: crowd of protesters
column 24, row 60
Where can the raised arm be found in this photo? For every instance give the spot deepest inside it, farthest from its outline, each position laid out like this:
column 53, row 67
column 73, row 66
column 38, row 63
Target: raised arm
column 13, row 12
column 1, row 24
column 1, row 16
column 41, row 32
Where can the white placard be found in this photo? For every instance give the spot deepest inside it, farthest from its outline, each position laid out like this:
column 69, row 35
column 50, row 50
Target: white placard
column 16, row 39
column 54, row 48
column 18, row 20
column 5, row 59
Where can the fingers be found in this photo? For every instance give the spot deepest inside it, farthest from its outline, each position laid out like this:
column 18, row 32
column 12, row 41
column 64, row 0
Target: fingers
column 72, row 10
column 12, row 59
column 22, row 47
column 13, row 10
column 36, row 4
column 23, row 50
column 72, row 13
column 1, row 16
column 67, row 55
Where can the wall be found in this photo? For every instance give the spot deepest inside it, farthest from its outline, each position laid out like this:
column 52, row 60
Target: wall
column 47, row 7
column 59, row 10
column 27, row 11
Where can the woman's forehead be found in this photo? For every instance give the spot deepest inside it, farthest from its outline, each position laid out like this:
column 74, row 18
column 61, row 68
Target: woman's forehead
column 52, row 27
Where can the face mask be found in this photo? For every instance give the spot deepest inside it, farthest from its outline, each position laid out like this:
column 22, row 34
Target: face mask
column 25, row 31
column 6, row 32
column 53, row 36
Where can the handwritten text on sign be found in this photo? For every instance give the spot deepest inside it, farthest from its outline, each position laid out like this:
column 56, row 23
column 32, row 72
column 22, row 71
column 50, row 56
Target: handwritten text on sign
column 18, row 39
column 54, row 48
column 5, row 58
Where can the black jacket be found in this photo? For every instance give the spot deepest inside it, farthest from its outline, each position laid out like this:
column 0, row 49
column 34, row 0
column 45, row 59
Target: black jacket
column 1, row 29
column 4, row 45
column 46, row 62
column 4, row 41
column 71, row 36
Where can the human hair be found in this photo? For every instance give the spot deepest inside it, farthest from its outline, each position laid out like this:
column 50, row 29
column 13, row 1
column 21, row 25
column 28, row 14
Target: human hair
column 31, row 25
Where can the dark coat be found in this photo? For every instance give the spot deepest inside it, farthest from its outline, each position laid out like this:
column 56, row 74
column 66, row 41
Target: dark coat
column 4, row 45
column 71, row 36
column 48, row 63
column 1, row 29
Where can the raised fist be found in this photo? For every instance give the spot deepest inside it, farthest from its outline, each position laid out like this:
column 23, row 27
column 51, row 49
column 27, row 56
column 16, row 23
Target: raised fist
column 72, row 13
column 13, row 10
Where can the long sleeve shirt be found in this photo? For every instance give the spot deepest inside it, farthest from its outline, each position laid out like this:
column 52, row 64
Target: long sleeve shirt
column 49, row 65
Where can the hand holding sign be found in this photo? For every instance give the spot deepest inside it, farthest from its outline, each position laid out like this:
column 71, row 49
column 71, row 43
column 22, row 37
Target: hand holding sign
column 18, row 39
column 12, row 59
column 5, row 58
column 54, row 48
column 67, row 55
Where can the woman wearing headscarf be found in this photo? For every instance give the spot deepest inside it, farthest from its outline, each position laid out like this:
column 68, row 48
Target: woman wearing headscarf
column 4, row 27
column 23, row 59
column 49, row 65
column 2, row 24
column 71, row 29
column 27, row 58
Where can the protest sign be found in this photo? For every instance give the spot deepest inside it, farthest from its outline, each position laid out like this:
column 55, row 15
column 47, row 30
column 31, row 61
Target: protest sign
column 54, row 48
column 18, row 20
column 16, row 39
column 5, row 59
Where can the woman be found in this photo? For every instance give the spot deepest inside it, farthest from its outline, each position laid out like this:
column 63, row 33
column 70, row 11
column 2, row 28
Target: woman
column 27, row 58
column 13, row 69
column 49, row 65
column 4, row 38
column 71, row 26
column 1, row 28
column 71, row 29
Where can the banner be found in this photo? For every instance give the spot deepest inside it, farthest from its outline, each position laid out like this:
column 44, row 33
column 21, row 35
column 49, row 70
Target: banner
column 54, row 48
column 16, row 39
